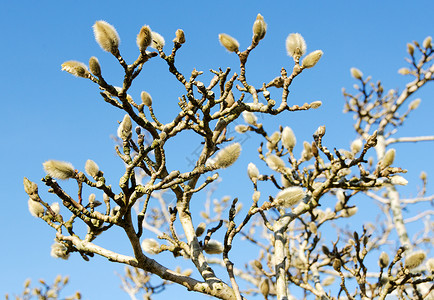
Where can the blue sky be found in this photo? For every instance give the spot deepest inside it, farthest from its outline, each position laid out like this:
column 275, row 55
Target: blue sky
column 48, row 114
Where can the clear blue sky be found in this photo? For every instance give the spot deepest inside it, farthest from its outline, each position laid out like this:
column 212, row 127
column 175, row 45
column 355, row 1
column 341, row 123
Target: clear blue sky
column 48, row 114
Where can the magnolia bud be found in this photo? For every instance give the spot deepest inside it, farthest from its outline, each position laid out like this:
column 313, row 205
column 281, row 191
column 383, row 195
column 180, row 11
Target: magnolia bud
column 410, row 49
column 106, row 36
column 415, row 259
column 265, row 287
column 59, row 169
column 398, row 180
column 253, row 172
column 356, row 146
column 144, row 38
column 259, row 28
column 179, row 37
column 30, row 187
column 289, row 197
column 295, row 45
column 288, row 138
column 91, row 168
column 35, row 208
column 229, row 42
column 311, row 59
column 157, row 41
column 125, row 128
column 59, row 250
column 274, row 162
column 383, row 261
column 151, row 246
column 427, row 42
column 213, row 247
column 249, row 118
column 389, row 157
column 414, row 104
column 94, row 66
column 75, row 68
column 146, row 98
column 200, row 229
column 356, row 73
column 227, row 156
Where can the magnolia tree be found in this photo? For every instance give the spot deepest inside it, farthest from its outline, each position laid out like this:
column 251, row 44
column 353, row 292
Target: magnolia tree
column 284, row 221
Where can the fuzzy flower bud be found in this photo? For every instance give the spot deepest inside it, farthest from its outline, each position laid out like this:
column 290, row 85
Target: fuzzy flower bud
column 388, row 158
column 253, row 172
column 229, row 42
column 427, row 42
column 91, row 168
column 349, row 212
column 295, row 45
column 315, row 104
column 144, row 38
column 30, row 187
column 311, row 59
column 415, row 259
column 151, row 246
column 265, row 287
column 356, row 73
column 59, row 169
column 200, row 229
column 328, row 281
column 404, row 71
column 227, row 156
column 55, row 207
column 289, row 197
column 288, row 138
column 125, row 128
column 179, row 37
column 356, row 146
column 410, row 49
column 35, row 208
column 158, row 41
column 414, row 104
column 146, row 98
column 274, row 162
column 307, row 153
column 249, row 117
column 241, row 128
column 94, row 66
column 59, row 250
column 256, row 195
column 383, row 261
column 75, row 68
column 398, row 180
column 106, row 36
column 259, row 28
column 213, row 247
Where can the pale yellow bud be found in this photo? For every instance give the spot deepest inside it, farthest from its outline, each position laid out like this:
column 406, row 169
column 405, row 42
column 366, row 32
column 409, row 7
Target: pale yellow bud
column 288, row 138
column 249, row 117
column 264, row 286
column 311, row 59
column 146, row 98
column 356, row 73
column 404, row 71
column 307, row 151
column 423, row 175
column 91, row 168
column 259, row 28
column 227, row 156
column 75, row 68
column 229, row 42
column 414, row 104
column 349, row 212
column 150, row 246
column 415, row 259
column 328, row 280
column 427, row 42
column 256, row 195
column 59, row 250
column 200, row 229
column 59, row 169
column 179, row 37
column 55, row 207
column 398, row 180
column 410, row 49
column 383, row 261
column 241, row 128
column 253, row 172
column 30, row 187
column 356, row 146
column 106, row 36
column 274, row 162
column 94, row 66
column 295, row 45
column 158, row 41
column 315, row 104
column 289, row 197
column 285, row 182
column 144, row 38
column 389, row 157
column 213, row 247
column 35, row 208
column 125, row 128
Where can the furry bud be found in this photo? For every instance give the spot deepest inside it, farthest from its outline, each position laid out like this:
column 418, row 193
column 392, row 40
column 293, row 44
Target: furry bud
column 35, row 208
column 289, row 197
column 383, row 261
column 288, row 138
column 415, row 259
column 356, row 73
column 179, row 37
column 125, row 128
column 388, row 158
column 59, row 250
column 427, row 42
column 30, row 187
column 311, row 59
column 275, row 163
column 229, row 42
column 227, row 156
column 158, row 41
column 94, row 66
column 249, row 118
column 91, row 168
column 106, row 36
column 213, row 247
column 200, row 229
column 253, row 172
column 144, row 38
column 59, row 169
column 295, row 45
column 151, row 246
column 146, row 98
column 75, row 68
column 259, row 28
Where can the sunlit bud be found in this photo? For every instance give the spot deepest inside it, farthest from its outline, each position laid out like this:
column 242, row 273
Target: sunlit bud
column 55, row 207
column 313, row 228
column 404, row 71
column 288, row 138
column 59, row 169
column 227, row 156
column 285, row 182
column 337, row 264
column 311, row 59
column 289, row 196
column 257, row 264
column 157, row 41
column 410, row 49
column 213, row 247
column 91, row 168
column 356, row 146
column 307, row 151
column 30, row 187
column 253, row 172
column 259, row 28
column 427, row 42
column 414, row 104
column 265, row 287
column 59, row 250
column 27, row 283
column 383, row 261
column 94, row 66
column 356, row 73
column 151, row 246
column 179, row 37
column 200, row 229
column 229, row 42
column 241, row 128
column 125, row 128
column 75, row 68
column 315, row 104
column 340, row 194
column 249, row 118
column 106, row 36
column 389, row 157
column 275, row 137
column 430, row 265
column 35, row 208
column 295, row 45
column 320, row 131
column 422, row 175
column 274, row 162
column 256, row 196
column 398, row 180
column 349, row 212
column 328, row 280
column 415, row 259
column 146, row 98
column 144, row 38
